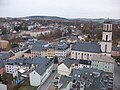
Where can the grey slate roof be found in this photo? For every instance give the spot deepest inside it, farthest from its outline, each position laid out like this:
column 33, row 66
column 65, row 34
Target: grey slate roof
column 88, row 76
column 35, row 60
column 2, row 65
column 43, row 63
column 69, row 62
column 76, row 72
column 6, row 55
column 43, row 42
column 43, row 67
column 116, row 49
column 62, row 46
column 87, row 47
column 9, row 62
column 38, row 45
column 83, row 72
column 85, row 62
column 16, row 49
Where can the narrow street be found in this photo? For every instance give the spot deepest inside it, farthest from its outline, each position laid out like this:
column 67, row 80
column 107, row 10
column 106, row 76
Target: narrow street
column 47, row 82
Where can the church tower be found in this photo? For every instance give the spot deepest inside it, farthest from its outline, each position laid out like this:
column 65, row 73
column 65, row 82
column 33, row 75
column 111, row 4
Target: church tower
column 106, row 44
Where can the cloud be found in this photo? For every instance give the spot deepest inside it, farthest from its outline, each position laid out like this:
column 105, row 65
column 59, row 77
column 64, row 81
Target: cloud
column 66, row 8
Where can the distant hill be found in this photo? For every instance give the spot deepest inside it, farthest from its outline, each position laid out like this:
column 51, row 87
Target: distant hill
column 61, row 18
column 44, row 18
column 54, row 18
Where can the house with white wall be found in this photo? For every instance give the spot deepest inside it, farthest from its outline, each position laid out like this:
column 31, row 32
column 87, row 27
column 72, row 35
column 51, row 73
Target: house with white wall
column 3, row 87
column 65, row 67
column 13, row 66
column 38, row 32
column 62, row 49
column 39, row 75
column 24, row 64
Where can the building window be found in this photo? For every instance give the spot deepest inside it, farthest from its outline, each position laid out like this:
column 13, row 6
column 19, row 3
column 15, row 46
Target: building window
column 107, row 27
column 106, row 37
column 82, row 56
column 87, row 56
column 76, row 55
column 105, row 48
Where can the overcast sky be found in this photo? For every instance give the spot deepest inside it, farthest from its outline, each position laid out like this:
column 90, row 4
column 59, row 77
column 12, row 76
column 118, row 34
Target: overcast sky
column 62, row 8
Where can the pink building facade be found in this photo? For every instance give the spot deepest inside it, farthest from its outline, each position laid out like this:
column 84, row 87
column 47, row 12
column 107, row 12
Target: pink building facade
column 116, row 51
column 2, row 71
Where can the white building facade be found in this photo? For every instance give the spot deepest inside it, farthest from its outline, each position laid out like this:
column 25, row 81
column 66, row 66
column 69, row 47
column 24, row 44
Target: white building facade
column 62, row 49
column 64, row 70
column 83, row 55
column 62, row 53
column 39, row 32
column 13, row 69
column 37, row 78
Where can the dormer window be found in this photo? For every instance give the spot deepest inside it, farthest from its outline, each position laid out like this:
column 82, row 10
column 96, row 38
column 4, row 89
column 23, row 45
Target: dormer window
column 78, row 75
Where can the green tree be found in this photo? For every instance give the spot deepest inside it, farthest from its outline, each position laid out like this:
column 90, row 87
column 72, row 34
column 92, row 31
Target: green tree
column 4, row 31
column 14, row 45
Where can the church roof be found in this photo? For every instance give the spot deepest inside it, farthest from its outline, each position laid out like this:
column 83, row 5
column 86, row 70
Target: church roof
column 108, row 21
column 87, row 47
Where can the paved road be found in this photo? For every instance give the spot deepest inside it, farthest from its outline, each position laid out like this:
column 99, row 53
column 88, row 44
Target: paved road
column 117, row 77
column 48, row 81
